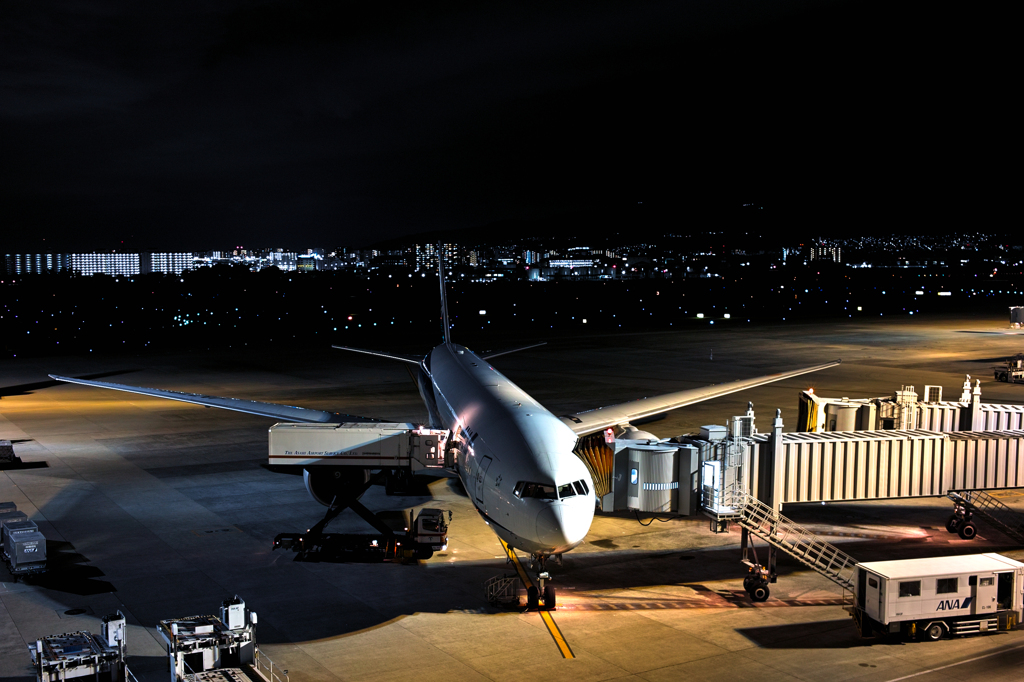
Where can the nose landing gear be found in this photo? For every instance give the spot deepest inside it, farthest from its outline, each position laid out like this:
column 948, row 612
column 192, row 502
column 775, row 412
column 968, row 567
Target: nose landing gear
column 543, row 587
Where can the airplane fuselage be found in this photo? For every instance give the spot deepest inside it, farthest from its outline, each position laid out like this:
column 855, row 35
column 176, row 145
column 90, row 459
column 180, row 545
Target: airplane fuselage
column 514, row 458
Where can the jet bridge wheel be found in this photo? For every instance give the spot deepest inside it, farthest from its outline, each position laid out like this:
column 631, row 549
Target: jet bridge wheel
column 760, row 592
column 967, row 531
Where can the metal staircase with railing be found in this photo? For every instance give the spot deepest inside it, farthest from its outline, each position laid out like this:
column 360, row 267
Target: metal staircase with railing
column 798, row 542
column 762, row 521
column 999, row 515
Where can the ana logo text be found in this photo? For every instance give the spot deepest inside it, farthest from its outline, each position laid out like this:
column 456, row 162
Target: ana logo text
column 950, row 604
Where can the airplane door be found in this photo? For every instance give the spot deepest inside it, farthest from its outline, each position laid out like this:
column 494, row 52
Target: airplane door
column 481, row 474
column 983, row 589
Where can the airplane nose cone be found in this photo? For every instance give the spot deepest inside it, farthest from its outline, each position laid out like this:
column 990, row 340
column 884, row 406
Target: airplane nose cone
column 559, row 528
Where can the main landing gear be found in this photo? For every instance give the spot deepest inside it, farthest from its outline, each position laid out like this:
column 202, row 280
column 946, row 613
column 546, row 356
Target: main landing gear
column 543, row 587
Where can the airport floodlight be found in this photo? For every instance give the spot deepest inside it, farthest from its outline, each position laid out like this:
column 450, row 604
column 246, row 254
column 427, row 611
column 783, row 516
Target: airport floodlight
column 700, row 316
column 727, row 316
column 483, row 312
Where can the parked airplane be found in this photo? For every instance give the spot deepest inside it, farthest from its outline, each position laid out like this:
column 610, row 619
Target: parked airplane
column 515, row 455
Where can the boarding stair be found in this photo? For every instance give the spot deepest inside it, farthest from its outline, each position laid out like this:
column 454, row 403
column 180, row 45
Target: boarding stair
column 788, row 536
column 999, row 515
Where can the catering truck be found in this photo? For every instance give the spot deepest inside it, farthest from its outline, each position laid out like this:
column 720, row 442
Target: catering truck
column 939, row 596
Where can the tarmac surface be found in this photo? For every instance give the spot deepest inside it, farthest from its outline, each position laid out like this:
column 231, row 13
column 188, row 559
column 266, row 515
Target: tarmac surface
column 162, row 509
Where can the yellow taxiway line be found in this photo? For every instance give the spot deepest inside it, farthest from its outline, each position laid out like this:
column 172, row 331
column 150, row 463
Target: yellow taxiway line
column 549, row 621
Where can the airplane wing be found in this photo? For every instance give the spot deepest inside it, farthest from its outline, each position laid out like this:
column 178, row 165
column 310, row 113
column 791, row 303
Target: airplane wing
column 603, row 417
column 493, row 354
column 415, row 360
column 285, row 413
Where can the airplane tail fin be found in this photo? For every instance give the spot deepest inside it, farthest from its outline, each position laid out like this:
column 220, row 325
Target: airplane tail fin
column 444, row 298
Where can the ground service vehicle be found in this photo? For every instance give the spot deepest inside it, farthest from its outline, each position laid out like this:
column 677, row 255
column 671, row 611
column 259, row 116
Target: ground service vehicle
column 937, row 596
column 1013, row 372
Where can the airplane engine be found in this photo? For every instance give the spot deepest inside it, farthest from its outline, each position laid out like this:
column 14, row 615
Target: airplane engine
column 326, row 483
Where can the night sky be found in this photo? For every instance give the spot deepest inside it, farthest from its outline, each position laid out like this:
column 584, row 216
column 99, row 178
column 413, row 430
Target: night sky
column 201, row 125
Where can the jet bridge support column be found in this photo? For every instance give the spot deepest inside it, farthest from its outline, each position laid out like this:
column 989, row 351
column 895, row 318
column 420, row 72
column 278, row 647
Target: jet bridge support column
column 770, row 493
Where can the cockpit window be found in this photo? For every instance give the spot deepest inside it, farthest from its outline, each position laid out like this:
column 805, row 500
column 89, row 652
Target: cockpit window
column 543, row 491
column 538, row 490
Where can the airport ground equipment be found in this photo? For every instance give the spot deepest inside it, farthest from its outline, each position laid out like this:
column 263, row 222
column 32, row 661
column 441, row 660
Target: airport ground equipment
column 399, row 537
column 82, row 654
column 9, row 514
column 938, row 596
column 7, row 455
column 369, row 445
column 762, row 521
column 906, row 410
column 968, row 503
column 1013, row 370
column 502, row 590
column 201, row 643
column 24, row 548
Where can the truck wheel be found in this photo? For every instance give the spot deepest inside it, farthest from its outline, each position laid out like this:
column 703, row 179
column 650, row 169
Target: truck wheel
column 953, row 522
column 549, row 597
column 532, row 598
column 425, row 554
column 967, row 531
column 934, row 632
column 760, row 593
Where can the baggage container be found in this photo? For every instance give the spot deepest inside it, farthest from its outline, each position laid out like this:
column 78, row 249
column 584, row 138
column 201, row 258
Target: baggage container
column 10, row 517
column 24, row 548
column 13, row 527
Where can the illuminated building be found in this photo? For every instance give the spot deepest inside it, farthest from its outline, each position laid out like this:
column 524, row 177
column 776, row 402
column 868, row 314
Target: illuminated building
column 170, row 263
column 35, row 263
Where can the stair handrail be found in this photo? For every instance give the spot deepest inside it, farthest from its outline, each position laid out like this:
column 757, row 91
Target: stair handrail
column 819, row 555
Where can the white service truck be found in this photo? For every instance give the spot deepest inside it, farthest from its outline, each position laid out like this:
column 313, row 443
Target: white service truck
column 939, row 596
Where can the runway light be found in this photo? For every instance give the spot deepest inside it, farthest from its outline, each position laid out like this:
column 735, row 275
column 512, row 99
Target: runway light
column 700, row 316
column 483, row 312
column 727, row 316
